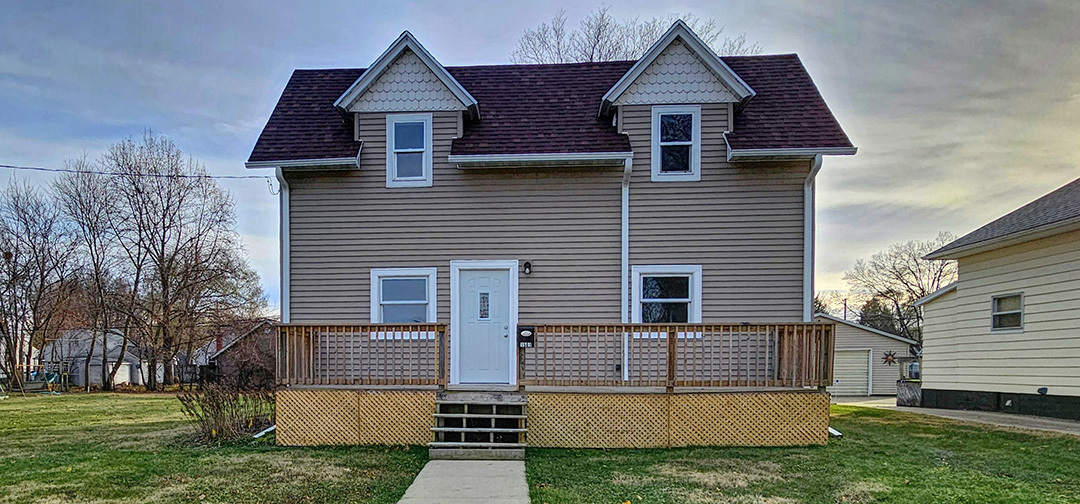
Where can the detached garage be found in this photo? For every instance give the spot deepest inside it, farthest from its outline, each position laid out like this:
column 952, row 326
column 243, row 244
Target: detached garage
column 860, row 365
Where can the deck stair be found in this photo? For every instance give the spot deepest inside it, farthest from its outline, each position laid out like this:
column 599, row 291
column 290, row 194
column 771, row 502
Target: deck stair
column 479, row 426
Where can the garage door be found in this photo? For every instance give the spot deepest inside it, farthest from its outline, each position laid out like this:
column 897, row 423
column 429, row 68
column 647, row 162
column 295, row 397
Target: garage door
column 851, row 373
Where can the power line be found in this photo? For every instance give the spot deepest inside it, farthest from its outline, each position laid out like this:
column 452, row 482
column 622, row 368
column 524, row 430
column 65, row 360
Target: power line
column 159, row 175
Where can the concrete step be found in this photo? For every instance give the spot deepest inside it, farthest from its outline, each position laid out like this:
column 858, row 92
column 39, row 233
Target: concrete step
column 476, row 454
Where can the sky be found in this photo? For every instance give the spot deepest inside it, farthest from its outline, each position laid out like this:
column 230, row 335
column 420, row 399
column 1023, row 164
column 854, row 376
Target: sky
column 962, row 111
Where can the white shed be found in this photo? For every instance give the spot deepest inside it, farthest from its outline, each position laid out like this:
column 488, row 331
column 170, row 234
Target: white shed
column 860, row 364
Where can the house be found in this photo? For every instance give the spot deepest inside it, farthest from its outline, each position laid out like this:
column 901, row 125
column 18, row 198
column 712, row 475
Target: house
column 246, row 360
column 865, row 361
column 596, row 248
column 73, row 349
column 1006, row 335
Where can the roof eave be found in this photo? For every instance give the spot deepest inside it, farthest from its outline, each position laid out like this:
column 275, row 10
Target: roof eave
column 1018, row 237
column 742, row 91
column 343, row 163
column 466, row 161
column 936, row 294
column 879, row 332
column 779, row 154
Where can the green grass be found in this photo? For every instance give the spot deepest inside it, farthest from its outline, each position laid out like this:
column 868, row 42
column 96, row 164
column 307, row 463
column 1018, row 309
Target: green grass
column 885, row 456
column 133, row 448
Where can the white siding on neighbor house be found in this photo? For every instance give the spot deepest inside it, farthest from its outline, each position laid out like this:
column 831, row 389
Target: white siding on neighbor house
column 677, row 75
column 851, row 372
column 407, row 85
column 962, row 353
column 742, row 223
column 884, row 376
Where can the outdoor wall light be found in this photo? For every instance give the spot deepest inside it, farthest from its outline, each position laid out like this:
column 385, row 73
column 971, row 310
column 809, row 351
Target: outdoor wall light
column 528, row 267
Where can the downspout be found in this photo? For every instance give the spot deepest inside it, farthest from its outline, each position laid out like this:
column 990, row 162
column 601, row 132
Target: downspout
column 808, row 240
column 283, row 252
column 624, row 284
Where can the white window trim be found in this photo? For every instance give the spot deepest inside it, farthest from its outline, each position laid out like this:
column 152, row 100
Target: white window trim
column 378, row 274
column 695, row 147
column 993, row 313
column 691, row 270
column 392, row 179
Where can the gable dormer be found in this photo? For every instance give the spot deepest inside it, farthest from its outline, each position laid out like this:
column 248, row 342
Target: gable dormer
column 406, row 78
column 678, row 68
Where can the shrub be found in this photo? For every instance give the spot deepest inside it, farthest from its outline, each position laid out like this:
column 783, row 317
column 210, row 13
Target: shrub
column 222, row 414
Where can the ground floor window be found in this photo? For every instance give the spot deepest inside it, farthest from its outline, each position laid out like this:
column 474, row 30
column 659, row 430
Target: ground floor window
column 666, row 294
column 403, row 296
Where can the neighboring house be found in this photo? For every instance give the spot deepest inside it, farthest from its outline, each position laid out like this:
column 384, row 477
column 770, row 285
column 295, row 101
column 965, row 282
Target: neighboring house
column 247, row 359
column 1006, row 335
column 554, row 235
column 73, row 348
column 865, row 359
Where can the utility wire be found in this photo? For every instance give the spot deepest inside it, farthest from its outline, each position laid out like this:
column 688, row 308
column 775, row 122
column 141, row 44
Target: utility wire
column 160, row 175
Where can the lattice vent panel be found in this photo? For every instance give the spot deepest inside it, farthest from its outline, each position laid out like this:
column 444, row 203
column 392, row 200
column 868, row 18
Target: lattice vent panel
column 316, row 417
column 750, row 419
column 597, row 420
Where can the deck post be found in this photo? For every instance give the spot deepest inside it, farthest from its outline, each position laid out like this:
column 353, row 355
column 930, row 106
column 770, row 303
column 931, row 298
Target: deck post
column 672, row 340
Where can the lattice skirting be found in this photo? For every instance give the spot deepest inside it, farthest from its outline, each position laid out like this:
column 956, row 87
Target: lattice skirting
column 327, row 417
column 661, row 420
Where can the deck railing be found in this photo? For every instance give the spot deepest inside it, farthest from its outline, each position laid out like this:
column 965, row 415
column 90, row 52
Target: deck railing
column 372, row 354
column 613, row 355
column 699, row 355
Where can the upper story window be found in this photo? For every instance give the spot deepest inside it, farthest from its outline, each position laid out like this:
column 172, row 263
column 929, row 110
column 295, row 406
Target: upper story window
column 408, row 150
column 1007, row 312
column 676, row 143
column 669, row 294
column 403, row 295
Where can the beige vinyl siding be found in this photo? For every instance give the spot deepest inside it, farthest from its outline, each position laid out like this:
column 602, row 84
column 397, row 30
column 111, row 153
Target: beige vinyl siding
column 884, row 376
column 742, row 223
column 565, row 221
column 962, row 353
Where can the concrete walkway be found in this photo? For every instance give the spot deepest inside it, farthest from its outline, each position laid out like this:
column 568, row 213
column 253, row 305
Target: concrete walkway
column 463, row 481
column 985, row 417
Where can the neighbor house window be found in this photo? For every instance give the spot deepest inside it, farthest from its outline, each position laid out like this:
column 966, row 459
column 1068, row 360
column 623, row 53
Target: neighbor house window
column 1007, row 312
column 403, row 296
column 669, row 294
column 676, row 143
column 408, row 150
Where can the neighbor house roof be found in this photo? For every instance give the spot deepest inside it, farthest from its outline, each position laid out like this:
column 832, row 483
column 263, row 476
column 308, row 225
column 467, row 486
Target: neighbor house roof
column 867, row 328
column 550, row 109
column 1056, row 212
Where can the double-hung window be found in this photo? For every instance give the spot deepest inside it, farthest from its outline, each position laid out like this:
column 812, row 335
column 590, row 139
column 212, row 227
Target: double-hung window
column 408, row 150
column 676, row 143
column 668, row 294
column 403, row 295
column 1007, row 312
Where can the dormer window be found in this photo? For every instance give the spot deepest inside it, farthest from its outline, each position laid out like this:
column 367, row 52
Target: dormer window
column 676, row 143
column 408, row 150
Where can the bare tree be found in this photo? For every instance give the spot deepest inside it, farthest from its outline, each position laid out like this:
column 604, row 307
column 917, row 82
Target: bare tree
column 603, row 37
column 180, row 231
column 899, row 276
column 38, row 272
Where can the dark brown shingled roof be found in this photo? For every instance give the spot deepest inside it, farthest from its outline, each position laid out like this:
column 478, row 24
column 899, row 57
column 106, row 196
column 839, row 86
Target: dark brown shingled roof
column 787, row 112
column 526, row 109
column 1058, row 207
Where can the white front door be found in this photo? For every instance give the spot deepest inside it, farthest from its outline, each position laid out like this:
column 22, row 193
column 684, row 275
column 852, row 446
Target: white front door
column 484, row 319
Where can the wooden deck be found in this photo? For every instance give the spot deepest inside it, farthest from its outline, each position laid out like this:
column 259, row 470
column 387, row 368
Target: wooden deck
column 585, row 357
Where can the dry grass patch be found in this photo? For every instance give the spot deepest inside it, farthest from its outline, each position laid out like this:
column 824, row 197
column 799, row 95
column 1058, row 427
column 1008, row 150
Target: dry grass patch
column 700, row 496
column 860, row 491
column 721, row 473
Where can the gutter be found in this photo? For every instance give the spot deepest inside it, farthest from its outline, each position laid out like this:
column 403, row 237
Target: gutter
column 808, row 240
column 344, row 162
column 936, row 294
column 750, row 154
column 624, row 284
column 478, row 160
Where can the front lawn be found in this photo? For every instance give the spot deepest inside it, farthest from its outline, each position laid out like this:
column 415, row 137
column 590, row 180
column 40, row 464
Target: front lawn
column 885, row 456
column 132, row 448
